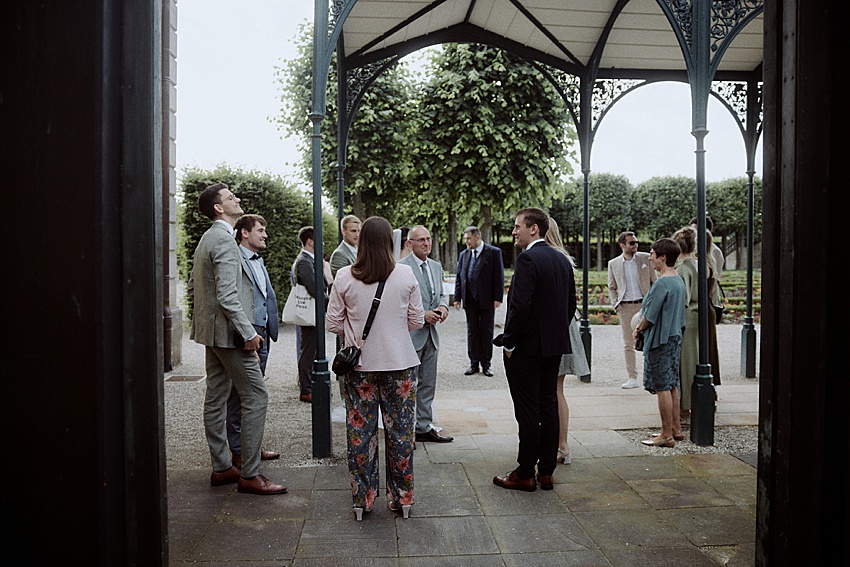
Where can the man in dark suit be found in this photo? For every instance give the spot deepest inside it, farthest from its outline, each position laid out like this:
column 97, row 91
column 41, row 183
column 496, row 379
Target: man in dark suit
column 479, row 287
column 541, row 301
column 305, row 275
column 251, row 235
column 223, row 297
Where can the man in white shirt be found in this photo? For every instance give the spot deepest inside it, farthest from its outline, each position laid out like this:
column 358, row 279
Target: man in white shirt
column 304, row 275
column 426, row 340
column 346, row 253
column 629, row 276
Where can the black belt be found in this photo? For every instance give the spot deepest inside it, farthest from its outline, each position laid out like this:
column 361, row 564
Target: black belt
column 635, row 301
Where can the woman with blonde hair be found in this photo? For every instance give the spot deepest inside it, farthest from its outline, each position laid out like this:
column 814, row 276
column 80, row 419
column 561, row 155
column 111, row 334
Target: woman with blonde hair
column 575, row 363
column 386, row 374
column 686, row 267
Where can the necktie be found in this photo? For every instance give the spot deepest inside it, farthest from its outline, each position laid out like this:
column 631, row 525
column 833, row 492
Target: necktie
column 472, row 263
column 255, row 257
column 428, row 288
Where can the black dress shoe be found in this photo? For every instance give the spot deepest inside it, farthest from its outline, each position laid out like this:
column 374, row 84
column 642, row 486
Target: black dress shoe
column 433, row 437
column 512, row 481
column 473, row 369
column 487, row 372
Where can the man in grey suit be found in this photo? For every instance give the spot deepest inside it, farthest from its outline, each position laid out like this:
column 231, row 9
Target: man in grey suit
column 629, row 276
column 251, row 235
column 346, row 253
column 223, row 296
column 426, row 340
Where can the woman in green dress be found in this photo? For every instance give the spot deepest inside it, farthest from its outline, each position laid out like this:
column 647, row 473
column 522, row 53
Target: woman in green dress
column 662, row 323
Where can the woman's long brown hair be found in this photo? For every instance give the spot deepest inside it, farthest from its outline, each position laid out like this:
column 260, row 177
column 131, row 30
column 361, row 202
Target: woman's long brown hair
column 375, row 260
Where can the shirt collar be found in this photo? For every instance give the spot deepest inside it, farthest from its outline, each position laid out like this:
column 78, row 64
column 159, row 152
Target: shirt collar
column 248, row 253
column 533, row 242
column 228, row 225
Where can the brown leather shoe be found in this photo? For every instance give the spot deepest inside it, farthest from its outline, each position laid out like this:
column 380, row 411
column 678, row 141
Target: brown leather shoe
column 236, row 459
column 512, row 481
column 260, row 485
column 229, row 476
column 308, row 397
column 547, row 482
column 269, row 455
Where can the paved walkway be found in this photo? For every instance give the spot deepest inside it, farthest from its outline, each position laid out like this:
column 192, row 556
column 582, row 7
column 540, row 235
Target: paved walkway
column 618, row 503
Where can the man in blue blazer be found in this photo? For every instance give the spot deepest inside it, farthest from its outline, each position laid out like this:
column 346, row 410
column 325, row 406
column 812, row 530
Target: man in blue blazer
column 426, row 339
column 251, row 235
column 541, row 301
column 479, row 288
column 223, row 297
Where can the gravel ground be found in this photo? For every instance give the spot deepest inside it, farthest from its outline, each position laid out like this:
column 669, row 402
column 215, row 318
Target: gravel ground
column 288, row 423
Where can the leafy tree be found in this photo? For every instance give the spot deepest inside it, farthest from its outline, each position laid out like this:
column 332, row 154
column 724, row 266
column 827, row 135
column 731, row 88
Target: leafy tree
column 663, row 205
column 494, row 137
column 726, row 202
column 377, row 166
column 285, row 209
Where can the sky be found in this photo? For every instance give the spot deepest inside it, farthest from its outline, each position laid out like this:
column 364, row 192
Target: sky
column 226, row 95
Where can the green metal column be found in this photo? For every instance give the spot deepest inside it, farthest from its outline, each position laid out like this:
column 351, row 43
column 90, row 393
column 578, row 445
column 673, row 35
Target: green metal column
column 320, row 376
column 748, row 332
column 702, row 392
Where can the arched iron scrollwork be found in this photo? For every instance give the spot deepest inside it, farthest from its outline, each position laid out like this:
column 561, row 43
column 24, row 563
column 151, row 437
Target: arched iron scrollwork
column 335, row 12
column 681, row 12
column 726, row 15
column 608, row 91
column 568, row 85
column 358, row 80
column 734, row 95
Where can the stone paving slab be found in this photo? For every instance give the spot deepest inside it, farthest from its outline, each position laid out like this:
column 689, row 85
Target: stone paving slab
column 617, row 504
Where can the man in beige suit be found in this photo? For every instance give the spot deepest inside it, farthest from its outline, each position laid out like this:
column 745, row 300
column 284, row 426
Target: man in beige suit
column 629, row 276
column 223, row 295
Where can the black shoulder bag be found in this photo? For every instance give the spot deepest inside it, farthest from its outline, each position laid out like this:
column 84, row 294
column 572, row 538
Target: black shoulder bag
column 346, row 359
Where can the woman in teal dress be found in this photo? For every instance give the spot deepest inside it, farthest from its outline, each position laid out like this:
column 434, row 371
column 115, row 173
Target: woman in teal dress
column 662, row 323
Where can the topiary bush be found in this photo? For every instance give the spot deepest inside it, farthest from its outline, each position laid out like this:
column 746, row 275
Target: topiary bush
column 284, row 207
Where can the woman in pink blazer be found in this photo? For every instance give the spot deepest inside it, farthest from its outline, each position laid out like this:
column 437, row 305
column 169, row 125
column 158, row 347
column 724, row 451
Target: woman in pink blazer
column 386, row 374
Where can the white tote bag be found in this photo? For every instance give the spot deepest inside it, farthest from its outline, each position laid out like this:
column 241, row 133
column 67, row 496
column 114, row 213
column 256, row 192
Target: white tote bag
column 300, row 308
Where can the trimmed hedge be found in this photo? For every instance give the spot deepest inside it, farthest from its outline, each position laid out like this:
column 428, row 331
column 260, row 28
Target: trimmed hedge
column 734, row 284
column 285, row 208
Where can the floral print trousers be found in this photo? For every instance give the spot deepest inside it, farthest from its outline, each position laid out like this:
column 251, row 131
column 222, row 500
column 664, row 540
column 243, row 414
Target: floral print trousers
column 395, row 392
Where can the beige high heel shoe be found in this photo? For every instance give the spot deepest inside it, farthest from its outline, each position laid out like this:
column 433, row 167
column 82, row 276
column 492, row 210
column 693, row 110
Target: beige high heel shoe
column 405, row 510
column 564, row 457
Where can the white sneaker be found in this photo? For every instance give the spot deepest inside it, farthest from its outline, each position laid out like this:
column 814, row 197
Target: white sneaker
column 632, row 383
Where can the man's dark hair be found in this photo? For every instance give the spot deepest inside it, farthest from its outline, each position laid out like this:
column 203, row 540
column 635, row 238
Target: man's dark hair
column 305, row 234
column 623, row 236
column 669, row 248
column 248, row 222
column 532, row 216
column 708, row 222
column 209, row 198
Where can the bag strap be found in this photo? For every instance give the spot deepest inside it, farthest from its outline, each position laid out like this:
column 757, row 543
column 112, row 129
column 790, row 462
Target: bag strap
column 375, row 303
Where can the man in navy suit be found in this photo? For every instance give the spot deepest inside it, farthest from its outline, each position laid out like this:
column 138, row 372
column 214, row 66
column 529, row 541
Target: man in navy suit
column 251, row 235
column 479, row 288
column 541, row 301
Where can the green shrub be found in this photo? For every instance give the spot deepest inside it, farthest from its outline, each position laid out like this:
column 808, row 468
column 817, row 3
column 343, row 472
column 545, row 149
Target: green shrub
column 284, row 207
